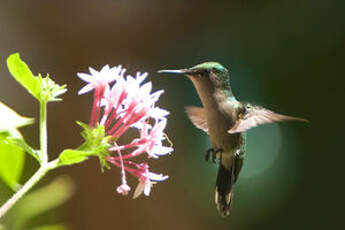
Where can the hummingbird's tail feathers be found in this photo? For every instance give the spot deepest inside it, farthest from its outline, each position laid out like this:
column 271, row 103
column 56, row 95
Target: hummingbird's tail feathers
column 252, row 116
column 224, row 190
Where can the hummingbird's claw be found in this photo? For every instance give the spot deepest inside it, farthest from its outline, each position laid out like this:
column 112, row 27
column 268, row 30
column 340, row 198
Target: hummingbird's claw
column 208, row 153
column 214, row 156
column 211, row 152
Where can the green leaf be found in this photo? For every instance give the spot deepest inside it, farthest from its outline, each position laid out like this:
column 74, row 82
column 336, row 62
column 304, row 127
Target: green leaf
column 51, row 227
column 43, row 89
column 24, row 146
column 40, row 201
column 21, row 72
column 95, row 144
column 9, row 119
column 70, row 156
column 9, row 122
column 11, row 162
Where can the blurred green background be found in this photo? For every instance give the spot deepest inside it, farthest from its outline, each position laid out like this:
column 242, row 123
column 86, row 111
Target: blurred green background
column 286, row 55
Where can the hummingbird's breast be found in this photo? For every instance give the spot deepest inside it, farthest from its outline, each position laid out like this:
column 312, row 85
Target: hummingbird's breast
column 219, row 121
column 221, row 115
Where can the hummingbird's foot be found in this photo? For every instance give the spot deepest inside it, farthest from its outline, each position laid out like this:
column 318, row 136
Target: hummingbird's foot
column 208, row 154
column 214, row 156
column 212, row 152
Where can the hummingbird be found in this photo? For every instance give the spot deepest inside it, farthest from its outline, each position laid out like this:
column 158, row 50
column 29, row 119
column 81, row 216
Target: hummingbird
column 226, row 121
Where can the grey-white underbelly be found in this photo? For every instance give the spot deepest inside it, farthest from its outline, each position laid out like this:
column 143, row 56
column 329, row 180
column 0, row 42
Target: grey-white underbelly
column 218, row 126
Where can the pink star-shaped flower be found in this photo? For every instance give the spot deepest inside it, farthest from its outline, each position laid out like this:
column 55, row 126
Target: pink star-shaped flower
column 146, row 180
column 128, row 103
column 99, row 79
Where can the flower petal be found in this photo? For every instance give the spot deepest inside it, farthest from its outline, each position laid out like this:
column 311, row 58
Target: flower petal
column 138, row 190
column 123, row 189
column 85, row 77
column 146, row 89
column 155, row 96
column 147, row 188
column 105, row 68
column 141, row 77
column 158, row 113
column 93, row 71
column 162, row 150
column 157, row 177
column 85, row 89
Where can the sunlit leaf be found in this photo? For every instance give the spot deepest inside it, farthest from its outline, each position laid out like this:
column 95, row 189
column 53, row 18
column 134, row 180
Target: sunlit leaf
column 11, row 162
column 9, row 119
column 9, row 122
column 22, row 73
column 96, row 144
column 70, row 156
column 51, row 227
column 42, row 88
column 23, row 145
column 40, row 201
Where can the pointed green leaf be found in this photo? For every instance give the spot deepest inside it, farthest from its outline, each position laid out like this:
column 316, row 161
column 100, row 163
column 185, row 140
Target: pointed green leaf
column 11, row 162
column 70, row 156
column 20, row 142
column 43, row 89
column 9, row 122
column 21, row 72
column 40, row 201
column 95, row 144
column 9, row 119
column 51, row 227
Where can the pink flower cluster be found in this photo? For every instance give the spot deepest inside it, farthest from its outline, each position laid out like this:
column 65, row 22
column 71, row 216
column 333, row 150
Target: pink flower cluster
column 128, row 103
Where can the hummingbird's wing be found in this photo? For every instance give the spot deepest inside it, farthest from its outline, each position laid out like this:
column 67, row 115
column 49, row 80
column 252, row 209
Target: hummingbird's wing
column 253, row 116
column 198, row 117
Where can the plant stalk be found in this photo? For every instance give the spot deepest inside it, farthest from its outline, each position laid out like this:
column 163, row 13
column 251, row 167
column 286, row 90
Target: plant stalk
column 43, row 132
column 45, row 165
column 41, row 172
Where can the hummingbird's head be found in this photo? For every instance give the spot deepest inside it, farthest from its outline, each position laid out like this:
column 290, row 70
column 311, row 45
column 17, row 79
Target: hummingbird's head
column 217, row 74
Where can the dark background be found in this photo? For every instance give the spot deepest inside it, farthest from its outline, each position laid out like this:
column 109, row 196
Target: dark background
column 286, row 55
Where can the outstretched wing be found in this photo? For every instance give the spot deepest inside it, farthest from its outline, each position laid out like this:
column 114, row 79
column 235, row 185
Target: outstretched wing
column 254, row 115
column 198, row 117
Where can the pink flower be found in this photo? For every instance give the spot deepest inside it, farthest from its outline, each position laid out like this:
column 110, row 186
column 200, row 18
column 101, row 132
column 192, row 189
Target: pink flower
column 113, row 98
column 99, row 79
column 150, row 141
column 154, row 138
column 129, row 103
column 146, row 180
column 123, row 189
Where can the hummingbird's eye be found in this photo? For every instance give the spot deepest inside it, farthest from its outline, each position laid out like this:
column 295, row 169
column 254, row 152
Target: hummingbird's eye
column 202, row 72
column 207, row 71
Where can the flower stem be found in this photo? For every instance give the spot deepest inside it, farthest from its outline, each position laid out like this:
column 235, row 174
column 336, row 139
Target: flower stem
column 43, row 132
column 45, row 167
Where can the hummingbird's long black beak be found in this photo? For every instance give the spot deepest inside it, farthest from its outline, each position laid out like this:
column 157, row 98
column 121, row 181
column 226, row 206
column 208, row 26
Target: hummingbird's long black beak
column 177, row 71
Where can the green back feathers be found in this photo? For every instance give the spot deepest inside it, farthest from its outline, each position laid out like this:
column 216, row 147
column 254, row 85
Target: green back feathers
column 211, row 66
column 217, row 73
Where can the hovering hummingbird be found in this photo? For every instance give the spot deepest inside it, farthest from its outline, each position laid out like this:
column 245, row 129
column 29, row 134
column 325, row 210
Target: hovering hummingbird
column 226, row 121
